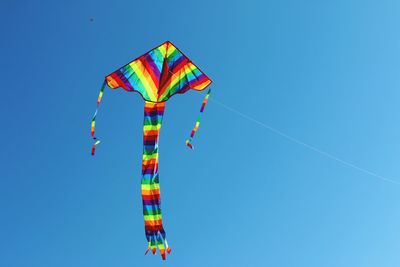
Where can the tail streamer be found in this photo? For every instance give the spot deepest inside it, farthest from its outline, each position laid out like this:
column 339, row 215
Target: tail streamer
column 196, row 126
column 93, row 124
column 155, row 234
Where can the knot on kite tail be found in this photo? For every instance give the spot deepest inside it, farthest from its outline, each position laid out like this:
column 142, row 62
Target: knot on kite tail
column 156, row 239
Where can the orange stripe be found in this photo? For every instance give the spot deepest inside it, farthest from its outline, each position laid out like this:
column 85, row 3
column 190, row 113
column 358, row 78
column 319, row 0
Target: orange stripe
column 153, row 223
column 150, row 192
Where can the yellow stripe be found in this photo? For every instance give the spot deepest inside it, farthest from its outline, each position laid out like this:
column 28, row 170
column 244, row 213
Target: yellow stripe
column 150, row 186
column 148, row 157
column 191, row 66
column 163, row 49
column 171, row 49
column 151, row 127
column 152, row 217
column 145, row 78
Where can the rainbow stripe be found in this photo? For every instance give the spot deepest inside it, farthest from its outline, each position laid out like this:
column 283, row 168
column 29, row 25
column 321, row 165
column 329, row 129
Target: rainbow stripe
column 93, row 124
column 196, row 126
column 155, row 234
column 159, row 74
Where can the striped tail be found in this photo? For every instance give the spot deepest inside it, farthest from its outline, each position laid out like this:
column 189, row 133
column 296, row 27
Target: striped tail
column 93, row 124
column 155, row 234
column 196, row 126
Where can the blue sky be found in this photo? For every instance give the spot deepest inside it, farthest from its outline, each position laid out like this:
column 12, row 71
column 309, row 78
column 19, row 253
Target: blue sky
column 324, row 72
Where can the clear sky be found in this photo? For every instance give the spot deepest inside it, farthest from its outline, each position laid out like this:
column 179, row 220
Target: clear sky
column 324, row 72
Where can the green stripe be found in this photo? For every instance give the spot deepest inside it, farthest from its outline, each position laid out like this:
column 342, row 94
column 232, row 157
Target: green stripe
column 149, row 181
column 152, row 212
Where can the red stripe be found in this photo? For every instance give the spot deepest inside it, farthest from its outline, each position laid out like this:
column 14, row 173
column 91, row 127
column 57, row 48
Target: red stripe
column 153, row 228
column 150, row 137
column 165, row 78
column 199, row 82
column 119, row 81
column 149, row 166
column 180, row 65
column 150, row 106
column 151, row 132
column 175, row 70
column 93, row 149
column 151, row 197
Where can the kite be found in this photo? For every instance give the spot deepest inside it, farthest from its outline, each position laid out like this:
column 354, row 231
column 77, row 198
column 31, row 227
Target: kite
column 156, row 75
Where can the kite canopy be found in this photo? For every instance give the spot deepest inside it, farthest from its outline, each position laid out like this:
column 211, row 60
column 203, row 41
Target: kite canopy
column 159, row 74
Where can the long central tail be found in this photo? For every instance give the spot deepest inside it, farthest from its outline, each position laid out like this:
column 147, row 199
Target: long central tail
column 155, row 234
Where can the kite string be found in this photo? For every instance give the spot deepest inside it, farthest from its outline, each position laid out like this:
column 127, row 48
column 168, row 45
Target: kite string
column 299, row 142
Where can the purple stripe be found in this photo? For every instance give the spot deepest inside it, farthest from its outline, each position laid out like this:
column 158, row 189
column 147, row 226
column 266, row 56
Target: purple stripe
column 152, row 202
column 150, row 61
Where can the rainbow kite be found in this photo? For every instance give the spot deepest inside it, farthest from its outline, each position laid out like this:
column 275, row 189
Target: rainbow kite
column 157, row 75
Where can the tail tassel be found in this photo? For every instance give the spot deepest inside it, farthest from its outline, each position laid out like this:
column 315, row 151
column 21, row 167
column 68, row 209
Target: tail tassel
column 159, row 243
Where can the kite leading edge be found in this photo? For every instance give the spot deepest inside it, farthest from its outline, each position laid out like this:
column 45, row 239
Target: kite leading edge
column 157, row 75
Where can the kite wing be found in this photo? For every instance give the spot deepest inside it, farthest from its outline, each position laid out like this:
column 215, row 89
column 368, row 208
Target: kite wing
column 159, row 74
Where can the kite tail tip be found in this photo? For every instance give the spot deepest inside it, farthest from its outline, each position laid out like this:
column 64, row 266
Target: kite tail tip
column 163, row 255
column 188, row 144
column 94, row 146
column 164, row 251
column 162, row 245
column 147, row 250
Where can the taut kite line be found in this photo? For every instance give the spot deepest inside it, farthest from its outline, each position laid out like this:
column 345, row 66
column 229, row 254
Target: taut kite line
column 157, row 75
